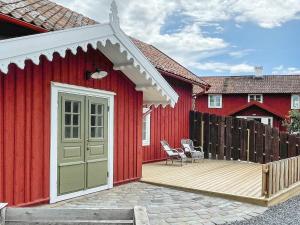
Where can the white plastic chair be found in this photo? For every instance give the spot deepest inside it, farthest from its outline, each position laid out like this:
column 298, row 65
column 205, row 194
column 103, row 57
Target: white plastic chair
column 191, row 151
column 173, row 153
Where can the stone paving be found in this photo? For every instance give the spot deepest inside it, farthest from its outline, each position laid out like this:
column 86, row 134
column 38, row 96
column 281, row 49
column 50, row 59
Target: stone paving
column 168, row 206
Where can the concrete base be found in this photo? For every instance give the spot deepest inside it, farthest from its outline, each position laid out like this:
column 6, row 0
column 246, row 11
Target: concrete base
column 2, row 213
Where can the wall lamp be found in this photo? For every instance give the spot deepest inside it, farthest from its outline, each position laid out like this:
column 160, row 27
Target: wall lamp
column 96, row 75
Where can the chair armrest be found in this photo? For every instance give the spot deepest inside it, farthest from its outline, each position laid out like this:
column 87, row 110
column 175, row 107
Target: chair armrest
column 199, row 148
column 178, row 150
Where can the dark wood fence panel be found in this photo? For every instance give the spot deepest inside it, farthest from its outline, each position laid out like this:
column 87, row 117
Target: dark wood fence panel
column 238, row 139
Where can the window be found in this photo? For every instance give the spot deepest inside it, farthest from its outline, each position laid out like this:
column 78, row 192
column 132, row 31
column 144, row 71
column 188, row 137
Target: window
column 214, row 101
column 295, row 102
column 72, row 119
column 146, row 128
column 97, row 121
column 255, row 97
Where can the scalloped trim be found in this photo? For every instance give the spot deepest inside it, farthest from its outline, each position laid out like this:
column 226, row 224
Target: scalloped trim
column 35, row 57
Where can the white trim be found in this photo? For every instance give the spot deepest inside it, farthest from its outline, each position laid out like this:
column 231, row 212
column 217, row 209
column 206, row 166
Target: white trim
column 147, row 117
column 259, row 117
column 262, row 97
column 99, row 36
column 72, row 89
column 292, row 104
column 212, row 106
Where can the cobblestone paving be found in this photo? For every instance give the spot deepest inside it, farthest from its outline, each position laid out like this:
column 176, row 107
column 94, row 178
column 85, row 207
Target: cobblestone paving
column 168, row 206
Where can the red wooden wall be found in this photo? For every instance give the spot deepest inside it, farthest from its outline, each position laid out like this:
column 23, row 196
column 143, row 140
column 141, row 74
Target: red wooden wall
column 170, row 124
column 25, row 123
column 281, row 103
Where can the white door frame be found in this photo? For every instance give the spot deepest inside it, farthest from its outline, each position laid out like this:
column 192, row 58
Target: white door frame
column 260, row 117
column 72, row 89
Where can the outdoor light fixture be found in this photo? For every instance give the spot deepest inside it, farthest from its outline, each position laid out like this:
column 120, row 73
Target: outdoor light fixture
column 97, row 75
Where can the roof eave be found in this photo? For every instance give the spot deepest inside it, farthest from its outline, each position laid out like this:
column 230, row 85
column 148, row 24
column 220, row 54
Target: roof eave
column 179, row 77
column 24, row 48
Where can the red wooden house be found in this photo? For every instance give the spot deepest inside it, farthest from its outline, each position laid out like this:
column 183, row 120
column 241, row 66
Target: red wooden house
column 71, row 102
column 267, row 99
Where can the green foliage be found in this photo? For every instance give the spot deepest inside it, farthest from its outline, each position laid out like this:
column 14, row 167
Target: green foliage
column 292, row 121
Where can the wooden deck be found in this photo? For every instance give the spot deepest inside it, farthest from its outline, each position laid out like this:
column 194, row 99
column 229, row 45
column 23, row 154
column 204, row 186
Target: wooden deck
column 235, row 180
column 240, row 181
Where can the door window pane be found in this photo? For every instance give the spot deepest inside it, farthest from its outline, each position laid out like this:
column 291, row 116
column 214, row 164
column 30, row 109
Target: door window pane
column 72, row 119
column 67, row 119
column 100, row 109
column 97, row 121
column 75, row 119
column 93, row 120
column 100, row 132
column 100, row 121
column 93, row 132
column 67, row 132
column 93, row 109
column 67, row 106
column 75, row 132
column 76, row 107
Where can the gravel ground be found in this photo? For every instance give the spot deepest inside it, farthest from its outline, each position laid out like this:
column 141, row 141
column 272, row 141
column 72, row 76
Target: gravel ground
column 287, row 213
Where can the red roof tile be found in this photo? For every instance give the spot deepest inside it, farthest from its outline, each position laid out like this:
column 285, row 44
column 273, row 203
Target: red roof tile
column 252, row 84
column 51, row 16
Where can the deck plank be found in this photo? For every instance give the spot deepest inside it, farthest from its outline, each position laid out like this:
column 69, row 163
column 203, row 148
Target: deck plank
column 227, row 177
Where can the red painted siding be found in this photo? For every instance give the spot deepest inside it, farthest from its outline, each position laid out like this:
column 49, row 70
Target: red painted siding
column 170, row 124
column 280, row 103
column 25, row 123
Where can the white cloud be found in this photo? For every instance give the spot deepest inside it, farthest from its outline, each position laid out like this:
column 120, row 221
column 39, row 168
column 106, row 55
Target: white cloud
column 189, row 44
column 241, row 53
column 285, row 70
column 224, row 67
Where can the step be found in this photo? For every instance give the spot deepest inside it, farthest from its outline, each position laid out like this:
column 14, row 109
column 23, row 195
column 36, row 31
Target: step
column 71, row 222
column 63, row 214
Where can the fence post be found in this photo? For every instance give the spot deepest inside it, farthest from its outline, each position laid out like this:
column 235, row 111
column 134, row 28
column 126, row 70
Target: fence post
column 2, row 213
column 265, row 181
column 202, row 134
column 248, row 145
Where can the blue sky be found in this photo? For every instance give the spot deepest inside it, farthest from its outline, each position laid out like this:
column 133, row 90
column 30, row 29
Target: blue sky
column 212, row 37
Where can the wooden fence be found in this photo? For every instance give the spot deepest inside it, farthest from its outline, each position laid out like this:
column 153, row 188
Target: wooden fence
column 231, row 138
column 280, row 175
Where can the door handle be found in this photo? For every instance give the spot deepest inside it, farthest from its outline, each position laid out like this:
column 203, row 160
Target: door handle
column 88, row 148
